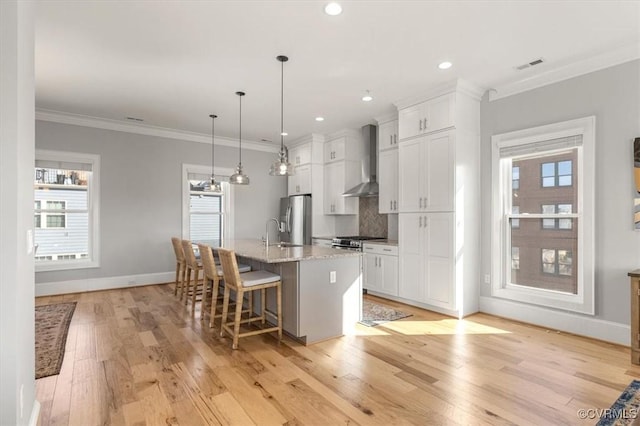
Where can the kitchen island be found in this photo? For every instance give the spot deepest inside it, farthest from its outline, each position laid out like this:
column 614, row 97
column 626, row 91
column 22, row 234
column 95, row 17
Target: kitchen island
column 321, row 286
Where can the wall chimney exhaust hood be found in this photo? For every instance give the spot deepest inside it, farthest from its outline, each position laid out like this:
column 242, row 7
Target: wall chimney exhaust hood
column 369, row 185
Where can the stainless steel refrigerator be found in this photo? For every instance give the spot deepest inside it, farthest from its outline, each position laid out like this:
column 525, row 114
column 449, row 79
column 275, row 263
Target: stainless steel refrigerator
column 295, row 219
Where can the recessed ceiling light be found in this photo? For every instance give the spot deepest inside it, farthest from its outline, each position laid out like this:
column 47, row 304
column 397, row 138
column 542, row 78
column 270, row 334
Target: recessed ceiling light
column 284, row 134
column 367, row 97
column 333, row 9
column 319, row 118
column 445, row 65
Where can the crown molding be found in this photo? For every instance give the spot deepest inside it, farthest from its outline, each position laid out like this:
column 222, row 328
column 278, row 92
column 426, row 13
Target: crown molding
column 575, row 69
column 311, row 137
column 386, row 118
column 143, row 129
column 458, row 85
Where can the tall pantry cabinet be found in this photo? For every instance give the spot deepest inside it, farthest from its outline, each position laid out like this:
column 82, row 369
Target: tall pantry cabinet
column 438, row 199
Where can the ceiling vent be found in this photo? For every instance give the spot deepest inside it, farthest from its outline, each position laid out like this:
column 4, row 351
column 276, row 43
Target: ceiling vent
column 530, row 64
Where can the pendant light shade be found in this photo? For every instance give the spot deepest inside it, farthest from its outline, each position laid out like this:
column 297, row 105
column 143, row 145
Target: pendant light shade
column 239, row 178
column 215, row 185
column 282, row 167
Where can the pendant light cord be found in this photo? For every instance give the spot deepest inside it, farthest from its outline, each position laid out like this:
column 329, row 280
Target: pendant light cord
column 282, row 107
column 213, row 135
column 240, row 132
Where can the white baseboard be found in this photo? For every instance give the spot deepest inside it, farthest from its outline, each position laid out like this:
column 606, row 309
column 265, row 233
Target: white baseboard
column 106, row 283
column 35, row 413
column 572, row 323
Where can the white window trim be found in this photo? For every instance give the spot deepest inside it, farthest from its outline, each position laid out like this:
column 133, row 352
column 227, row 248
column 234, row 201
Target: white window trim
column 93, row 204
column 583, row 302
column 227, row 200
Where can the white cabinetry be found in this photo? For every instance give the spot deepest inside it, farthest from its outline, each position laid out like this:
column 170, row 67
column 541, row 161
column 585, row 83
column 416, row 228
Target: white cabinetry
column 388, row 164
column 380, row 267
column 388, row 135
column 426, row 179
column 427, row 258
column 426, row 117
column 306, row 159
column 439, row 199
column 342, row 157
column 388, row 181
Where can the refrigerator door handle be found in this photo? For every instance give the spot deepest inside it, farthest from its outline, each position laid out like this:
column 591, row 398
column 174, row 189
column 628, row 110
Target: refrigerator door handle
column 288, row 220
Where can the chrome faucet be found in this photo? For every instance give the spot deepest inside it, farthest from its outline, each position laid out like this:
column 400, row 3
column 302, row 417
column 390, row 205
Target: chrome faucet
column 266, row 241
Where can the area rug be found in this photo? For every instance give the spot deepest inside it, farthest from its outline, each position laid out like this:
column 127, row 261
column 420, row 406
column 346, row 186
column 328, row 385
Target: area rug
column 373, row 314
column 626, row 410
column 52, row 326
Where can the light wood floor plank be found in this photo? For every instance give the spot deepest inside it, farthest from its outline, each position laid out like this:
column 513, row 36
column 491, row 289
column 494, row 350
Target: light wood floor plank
column 137, row 356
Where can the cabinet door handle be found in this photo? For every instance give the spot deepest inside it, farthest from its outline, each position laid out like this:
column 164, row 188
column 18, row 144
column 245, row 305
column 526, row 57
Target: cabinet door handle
column 395, row 139
column 390, row 139
column 390, row 205
column 395, row 207
column 420, row 124
column 420, row 202
column 420, row 222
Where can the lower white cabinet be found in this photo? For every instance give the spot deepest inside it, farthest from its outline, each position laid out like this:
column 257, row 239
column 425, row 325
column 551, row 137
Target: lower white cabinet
column 380, row 267
column 426, row 253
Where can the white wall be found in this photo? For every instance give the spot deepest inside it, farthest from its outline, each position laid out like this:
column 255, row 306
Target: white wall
column 17, row 352
column 141, row 195
column 613, row 96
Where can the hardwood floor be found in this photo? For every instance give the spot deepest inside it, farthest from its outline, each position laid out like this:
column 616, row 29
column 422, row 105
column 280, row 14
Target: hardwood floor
column 135, row 356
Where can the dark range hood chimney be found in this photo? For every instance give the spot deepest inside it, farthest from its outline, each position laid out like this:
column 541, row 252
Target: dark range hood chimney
column 368, row 188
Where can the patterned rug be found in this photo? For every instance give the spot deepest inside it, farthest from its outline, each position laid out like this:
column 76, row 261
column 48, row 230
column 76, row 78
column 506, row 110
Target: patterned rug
column 52, row 326
column 626, row 410
column 374, row 314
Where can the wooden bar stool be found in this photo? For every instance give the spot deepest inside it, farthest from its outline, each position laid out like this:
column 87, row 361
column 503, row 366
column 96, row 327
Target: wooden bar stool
column 247, row 283
column 192, row 267
column 180, row 265
column 214, row 278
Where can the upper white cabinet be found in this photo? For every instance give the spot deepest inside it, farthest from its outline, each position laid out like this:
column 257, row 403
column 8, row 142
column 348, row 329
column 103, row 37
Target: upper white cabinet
column 388, row 181
column 300, row 154
column 343, row 152
column 426, row 117
column 427, row 173
column 388, row 135
column 306, row 159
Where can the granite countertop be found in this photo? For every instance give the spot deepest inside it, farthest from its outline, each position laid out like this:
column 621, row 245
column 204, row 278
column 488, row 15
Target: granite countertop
column 255, row 249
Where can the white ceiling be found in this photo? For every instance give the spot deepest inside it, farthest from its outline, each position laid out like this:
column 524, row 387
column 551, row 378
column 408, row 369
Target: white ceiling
column 173, row 63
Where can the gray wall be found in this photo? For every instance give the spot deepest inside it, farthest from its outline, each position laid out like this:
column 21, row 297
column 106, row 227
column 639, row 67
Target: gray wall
column 17, row 350
column 613, row 96
column 141, row 195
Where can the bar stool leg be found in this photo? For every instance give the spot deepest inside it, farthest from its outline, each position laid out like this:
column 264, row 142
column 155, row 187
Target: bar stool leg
column 279, row 303
column 175, row 289
column 237, row 319
column 196, row 273
column 188, row 284
column 263, row 305
column 214, row 302
column 225, row 310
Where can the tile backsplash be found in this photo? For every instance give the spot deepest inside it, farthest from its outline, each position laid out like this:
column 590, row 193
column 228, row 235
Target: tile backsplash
column 372, row 223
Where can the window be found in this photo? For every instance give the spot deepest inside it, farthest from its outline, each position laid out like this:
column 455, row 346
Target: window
column 65, row 210
column 557, row 262
column 557, row 174
column 557, row 223
column 554, row 268
column 206, row 214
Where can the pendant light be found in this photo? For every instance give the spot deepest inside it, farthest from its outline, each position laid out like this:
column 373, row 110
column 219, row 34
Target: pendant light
column 215, row 185
column 281, row 167
column 239, row 178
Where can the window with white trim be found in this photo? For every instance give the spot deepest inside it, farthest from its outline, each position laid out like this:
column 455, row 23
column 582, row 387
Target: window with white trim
column 65, row 210
column 542, row 248
column 206, row 214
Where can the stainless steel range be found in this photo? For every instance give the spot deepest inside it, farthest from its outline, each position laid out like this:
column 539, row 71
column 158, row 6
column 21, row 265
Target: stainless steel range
column 351, row 243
